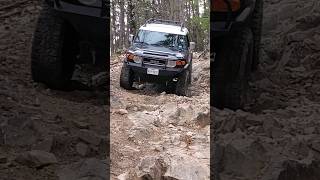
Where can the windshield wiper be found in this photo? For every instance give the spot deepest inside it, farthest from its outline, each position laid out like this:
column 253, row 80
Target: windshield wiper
column 141, row 42
column 173, row 47
column 156, row 45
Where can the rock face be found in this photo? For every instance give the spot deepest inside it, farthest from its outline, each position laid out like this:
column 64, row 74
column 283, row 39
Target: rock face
column 89, row 137
column 36, row 158
column 150, row 167
column 172, row 166
column 82, row 148
column 121, row 111
column 162, row 136
column 39, row 126
column 144, row 122
column 186, row 168
column 274, row 137
column 124, row 176
column 85, row 169
column 45, row 145
column 294, row 170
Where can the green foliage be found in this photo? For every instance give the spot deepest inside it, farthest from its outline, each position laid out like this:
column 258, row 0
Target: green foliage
column 199, row 30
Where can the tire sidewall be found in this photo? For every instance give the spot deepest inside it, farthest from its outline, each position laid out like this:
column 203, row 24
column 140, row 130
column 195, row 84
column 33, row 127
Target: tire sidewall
column 231, row 70
column 53, row 58
column 126, row 77
column 182, row 86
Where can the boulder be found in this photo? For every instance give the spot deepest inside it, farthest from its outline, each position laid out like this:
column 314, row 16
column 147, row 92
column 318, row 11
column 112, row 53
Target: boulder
column 170, row 113
column 86, row 169
column 44, row 145
column 150, row 167
column 82, row 149
column 184, row 167
column 121, row 111
column 123, row 176
column 89, row 137
column 36, row 158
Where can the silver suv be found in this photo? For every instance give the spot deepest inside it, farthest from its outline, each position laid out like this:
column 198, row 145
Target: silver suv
column 160, row 53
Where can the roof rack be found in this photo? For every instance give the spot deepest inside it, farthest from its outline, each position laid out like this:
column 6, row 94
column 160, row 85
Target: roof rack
column 161, row 21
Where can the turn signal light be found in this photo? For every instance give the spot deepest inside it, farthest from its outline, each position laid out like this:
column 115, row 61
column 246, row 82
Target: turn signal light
column 222, row 6
column 133, row 58
column 180, row 63
column 130, row 57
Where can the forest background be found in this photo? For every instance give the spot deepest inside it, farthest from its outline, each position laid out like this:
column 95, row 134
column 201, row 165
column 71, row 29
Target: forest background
column 128, row 15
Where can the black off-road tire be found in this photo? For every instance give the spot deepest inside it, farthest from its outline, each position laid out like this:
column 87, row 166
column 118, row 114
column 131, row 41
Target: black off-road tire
column 190, row 73
column 54, row 50
column 256, row 25
column 231, row 70
column 182, row 86
column 126, row 77
column 171, row 87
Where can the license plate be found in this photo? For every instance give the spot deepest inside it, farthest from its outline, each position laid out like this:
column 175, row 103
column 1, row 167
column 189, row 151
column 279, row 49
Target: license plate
column 153, row 71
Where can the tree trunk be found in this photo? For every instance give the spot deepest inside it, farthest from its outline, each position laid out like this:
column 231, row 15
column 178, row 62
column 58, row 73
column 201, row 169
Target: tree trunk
column 113, row 25
column 131, row 15
column 122, row 25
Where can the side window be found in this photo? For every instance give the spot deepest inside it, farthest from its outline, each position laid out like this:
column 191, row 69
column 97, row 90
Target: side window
column 188, row 42
column 138, row 37
column 183, row 42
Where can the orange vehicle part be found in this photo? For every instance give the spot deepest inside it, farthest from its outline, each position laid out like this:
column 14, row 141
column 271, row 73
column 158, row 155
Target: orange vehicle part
column 130, row 57
column 221, row 5
column 180, row 63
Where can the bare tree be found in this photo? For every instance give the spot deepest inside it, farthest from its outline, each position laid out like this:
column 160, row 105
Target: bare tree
column 122, row 30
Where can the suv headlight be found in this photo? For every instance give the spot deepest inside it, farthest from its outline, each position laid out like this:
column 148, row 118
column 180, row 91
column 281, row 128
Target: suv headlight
column 134, row 58
column 176, row 63
column 171, row 63
column 137, row 59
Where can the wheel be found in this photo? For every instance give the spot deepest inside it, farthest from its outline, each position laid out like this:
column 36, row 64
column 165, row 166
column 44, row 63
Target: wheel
column 171, row 87
column 182, row 86
column 54, row 50
column 256, row 26
column 231, row 70
column 126, row 77
column 190, row 73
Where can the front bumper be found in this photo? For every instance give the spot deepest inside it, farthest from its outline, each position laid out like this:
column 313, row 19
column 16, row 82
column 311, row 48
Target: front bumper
column 165, row 73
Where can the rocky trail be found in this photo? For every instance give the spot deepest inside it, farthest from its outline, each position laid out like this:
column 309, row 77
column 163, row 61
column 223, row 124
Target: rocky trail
column 45, row 134
column 277, row 137
column 158, row 135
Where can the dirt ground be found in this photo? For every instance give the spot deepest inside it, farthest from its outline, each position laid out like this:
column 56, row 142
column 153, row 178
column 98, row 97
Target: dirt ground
column 154, row 131
column 44, row 134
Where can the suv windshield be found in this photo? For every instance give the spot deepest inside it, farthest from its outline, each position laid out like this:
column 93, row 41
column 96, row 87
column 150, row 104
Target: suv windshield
column 155, row 38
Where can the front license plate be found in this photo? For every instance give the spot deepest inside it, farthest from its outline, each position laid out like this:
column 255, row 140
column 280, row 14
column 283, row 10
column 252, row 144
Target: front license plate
column 153, row 71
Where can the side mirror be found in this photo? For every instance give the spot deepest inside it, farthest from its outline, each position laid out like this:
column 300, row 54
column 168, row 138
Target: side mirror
column 192, row 46
column 131, row 37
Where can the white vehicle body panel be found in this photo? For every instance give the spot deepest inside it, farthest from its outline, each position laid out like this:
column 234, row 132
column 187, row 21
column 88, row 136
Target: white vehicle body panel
column 171, row 29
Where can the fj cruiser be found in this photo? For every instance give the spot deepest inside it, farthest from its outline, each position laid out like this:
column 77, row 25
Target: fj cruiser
column 68, row 32
column 160, row 52
column 235, row 37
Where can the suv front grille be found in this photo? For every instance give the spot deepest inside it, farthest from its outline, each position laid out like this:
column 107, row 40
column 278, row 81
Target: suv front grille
column 154, row 61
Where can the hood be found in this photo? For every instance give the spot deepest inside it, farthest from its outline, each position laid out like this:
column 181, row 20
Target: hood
column 160, row 51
